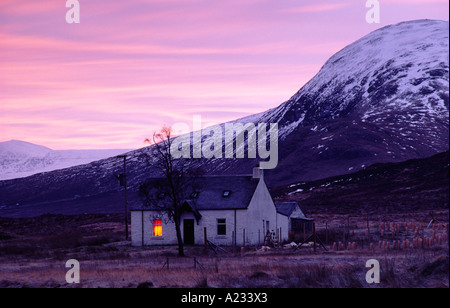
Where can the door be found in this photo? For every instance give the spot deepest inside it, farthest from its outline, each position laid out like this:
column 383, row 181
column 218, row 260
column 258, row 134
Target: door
column 188, row 232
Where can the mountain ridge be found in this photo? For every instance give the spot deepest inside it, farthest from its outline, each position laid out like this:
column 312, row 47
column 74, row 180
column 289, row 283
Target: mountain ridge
column 20, row 159
column 387, row 106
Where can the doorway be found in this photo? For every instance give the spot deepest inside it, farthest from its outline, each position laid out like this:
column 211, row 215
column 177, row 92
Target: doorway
column 188, row 231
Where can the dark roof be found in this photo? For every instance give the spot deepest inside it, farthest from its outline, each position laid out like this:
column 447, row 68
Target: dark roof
column 287, row 208
column 189, row 206
column 211, row 192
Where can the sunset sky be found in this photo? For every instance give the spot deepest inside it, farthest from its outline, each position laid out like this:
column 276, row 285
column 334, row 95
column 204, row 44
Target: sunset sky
column 130, row 67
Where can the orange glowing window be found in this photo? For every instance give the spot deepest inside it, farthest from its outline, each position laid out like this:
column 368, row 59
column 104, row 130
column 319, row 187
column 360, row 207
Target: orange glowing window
column 157, row 228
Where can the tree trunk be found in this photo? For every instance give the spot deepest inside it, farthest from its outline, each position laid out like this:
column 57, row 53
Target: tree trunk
column 179, row 238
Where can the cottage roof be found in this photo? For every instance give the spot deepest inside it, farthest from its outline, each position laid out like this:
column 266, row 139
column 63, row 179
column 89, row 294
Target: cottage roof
column 209, row 192
column 287, row 208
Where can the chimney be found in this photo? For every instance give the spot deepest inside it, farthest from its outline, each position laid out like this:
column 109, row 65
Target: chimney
column 258, row 173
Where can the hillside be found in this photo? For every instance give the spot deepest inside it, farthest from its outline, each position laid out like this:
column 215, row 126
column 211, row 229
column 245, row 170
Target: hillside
column 413, row 185
column 410, row 186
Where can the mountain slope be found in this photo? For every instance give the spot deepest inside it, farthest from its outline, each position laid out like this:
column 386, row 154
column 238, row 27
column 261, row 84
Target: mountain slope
column 397, row 69
column 21, row 159
column 381, row 99
column 413, row 185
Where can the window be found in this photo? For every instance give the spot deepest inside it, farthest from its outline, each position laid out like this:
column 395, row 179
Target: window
column 194, row 194
column 157, row 228
column 226, row 193
column 221, row 227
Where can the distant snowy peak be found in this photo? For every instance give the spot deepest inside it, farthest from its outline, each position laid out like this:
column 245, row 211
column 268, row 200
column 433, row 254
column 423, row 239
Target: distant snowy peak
column 399, row 68
column 23, row 149
column 21, row 159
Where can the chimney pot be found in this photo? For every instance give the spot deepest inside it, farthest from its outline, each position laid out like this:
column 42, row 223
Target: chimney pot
column 258, row 173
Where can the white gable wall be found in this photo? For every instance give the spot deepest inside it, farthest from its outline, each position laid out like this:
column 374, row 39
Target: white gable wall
column 261, row 212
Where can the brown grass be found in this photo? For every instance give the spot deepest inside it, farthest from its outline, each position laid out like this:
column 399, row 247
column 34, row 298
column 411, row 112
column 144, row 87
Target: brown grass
column 38, row 260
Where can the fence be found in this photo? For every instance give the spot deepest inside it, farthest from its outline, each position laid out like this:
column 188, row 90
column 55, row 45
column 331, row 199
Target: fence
column 355, row 234
column 184, row 263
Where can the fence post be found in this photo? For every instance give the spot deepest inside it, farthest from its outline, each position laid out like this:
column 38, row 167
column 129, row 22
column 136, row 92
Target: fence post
column 448, row 240
column 343, row 227
column 304, row 231
column 314, row 235
column 206, row 240
column 280, row 238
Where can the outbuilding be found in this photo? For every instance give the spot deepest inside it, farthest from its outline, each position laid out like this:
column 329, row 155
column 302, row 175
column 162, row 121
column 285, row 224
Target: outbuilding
column 291, row 218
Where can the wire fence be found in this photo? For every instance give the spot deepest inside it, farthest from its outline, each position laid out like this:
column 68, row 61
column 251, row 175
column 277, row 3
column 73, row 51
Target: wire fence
column 382, row 235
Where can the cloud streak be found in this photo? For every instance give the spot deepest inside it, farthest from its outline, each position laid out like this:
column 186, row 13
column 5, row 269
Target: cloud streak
column 316, row 8
column 132, row 66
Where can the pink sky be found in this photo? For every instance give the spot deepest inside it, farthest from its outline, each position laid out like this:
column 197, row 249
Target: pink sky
column 132, row 66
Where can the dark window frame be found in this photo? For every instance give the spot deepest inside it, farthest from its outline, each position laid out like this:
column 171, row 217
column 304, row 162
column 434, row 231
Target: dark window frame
column 221, row 226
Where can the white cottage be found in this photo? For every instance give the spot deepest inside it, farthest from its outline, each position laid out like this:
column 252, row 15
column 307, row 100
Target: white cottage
column 234, row 210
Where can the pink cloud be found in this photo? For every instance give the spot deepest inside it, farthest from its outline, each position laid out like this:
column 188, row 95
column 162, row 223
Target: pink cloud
column 30, row 7
column 131, row 66
column 316, row 8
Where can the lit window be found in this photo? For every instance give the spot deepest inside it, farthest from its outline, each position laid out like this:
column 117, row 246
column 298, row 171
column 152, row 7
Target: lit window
column 226, row 193
column 221, row 227
column 157, row 228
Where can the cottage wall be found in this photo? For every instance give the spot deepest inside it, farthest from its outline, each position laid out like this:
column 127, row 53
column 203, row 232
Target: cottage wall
column 261, row 214
column 136, row 238
column 147, row 218
column 284, row 226
column 208, row 221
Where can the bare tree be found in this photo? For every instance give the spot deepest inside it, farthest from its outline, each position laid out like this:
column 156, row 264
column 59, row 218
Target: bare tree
column 167, row 194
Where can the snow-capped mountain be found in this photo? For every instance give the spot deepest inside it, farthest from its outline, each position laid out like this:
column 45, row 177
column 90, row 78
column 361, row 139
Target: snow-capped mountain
column 397, row 73
column 384, row 98
column 21, row 159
